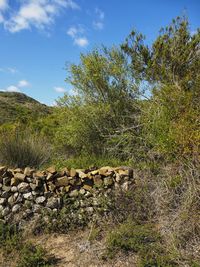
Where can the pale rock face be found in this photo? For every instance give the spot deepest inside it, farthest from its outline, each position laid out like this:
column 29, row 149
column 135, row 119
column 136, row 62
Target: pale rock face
column 40, row 200
column 26, row 193
column 23, row 187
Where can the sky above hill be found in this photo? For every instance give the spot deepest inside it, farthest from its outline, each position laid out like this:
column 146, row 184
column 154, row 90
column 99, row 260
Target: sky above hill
column 38, row 37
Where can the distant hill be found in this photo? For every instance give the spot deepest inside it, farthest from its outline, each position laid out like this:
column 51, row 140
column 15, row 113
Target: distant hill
column 20, row 107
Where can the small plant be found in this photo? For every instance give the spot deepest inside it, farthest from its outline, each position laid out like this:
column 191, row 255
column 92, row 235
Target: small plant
column 21, row 149
column 32, row 256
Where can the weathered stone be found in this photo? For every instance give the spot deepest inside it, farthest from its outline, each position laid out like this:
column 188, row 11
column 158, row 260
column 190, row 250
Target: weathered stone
column 108, row 181
column 2, row 201
column 52, row 170
column 11, row 200
column 88, row 188
column 28, row 171
column 3, row 169
column 14, row 181
column 39, row 175
column 95, row 172
column 49, row 177
column 16, row 208
column 5, row 211
column 62, row 181
column 28, row 196
column 6, row 181
column 72, row 172
column 23, row 187
column 74, row 193
column 52, row 187
column 40, row 200
column 90, row 209
column 81, row 174
column 67, row 188
column 64, row 172
column 53, row 203
column 14, row 189
column 82, row 191
column 5, row 194
column 37, row 208
column 72, row 180
column 20, row 176
column 106, row 171
column 19, row 170
column 98, row 182
column 33, row 186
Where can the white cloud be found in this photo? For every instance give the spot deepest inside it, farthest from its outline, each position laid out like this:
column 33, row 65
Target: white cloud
column 37, row 13
column 81, row 41
column 3, row 7
column 23, row 83
column 98, row 23
column 12, row 70
column 100, row 13
column 59, row 89
column 3, row 4
column 12, row 88
column 76, row 33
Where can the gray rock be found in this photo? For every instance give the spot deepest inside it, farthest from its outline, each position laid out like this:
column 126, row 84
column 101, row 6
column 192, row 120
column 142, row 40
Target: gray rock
column 28, row 196
column 16, row 208
column 2, row 201
column 5, row 194
column 36, row 208
column 14, row 189
column 40, row 200
column 23, row 187
column 53, row 203
column 5, row 211
column 74, row 193
column 11, row 200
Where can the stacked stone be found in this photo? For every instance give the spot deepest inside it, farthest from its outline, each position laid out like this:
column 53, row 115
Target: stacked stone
column 29, row 189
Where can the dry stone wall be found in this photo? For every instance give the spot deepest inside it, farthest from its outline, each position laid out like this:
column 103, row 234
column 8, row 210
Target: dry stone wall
column 27, row 192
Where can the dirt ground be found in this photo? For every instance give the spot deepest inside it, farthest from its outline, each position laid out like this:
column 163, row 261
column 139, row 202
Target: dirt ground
column 74, row 250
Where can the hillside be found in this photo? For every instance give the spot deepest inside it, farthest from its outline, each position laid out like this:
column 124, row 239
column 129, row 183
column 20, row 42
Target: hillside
column 20, row 107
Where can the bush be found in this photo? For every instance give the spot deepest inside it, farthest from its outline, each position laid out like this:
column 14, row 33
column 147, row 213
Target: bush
column 142, row 239
column 31, row 256
column 22, row 148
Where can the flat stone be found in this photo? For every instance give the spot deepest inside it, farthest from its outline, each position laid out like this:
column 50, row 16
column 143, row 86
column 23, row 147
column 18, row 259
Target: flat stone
column 88, row 188
column 28, row 196
column 23, row 187
column 6, row 181
column 14, row 181
column 52, row 170
column 72, row 172
column 97, row 180
column 28, row 171
column 106, row 171
column 14, row 189
column 108, row 181
column 5, row 211
column 40, row 200
column 62, row 181
column 20, row 176
column 74, row 193
column 53, row 203
column 2, row 201
column 16, row 208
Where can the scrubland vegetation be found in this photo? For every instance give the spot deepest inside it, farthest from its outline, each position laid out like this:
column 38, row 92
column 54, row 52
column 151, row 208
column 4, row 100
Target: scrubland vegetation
column 136, row 105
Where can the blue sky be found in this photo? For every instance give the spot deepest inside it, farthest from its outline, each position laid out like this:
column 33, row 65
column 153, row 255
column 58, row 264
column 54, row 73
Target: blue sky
column 37, row 37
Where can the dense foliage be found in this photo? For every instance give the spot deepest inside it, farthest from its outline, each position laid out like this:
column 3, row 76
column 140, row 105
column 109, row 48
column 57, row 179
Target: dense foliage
column 138, row 104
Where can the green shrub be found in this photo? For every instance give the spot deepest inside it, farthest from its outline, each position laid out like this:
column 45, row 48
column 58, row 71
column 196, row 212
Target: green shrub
column 21, row 149
column 32, row 256
column 142, row 239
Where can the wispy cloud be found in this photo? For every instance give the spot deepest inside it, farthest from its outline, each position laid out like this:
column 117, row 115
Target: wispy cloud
column 12, row 88
column 59, row 89
column 37, row 13
column 82, row 41
column 3, row 7
column 23, row 83
column 77, row 34
column 98, row 23
column 11, row 70
column 16, row 88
